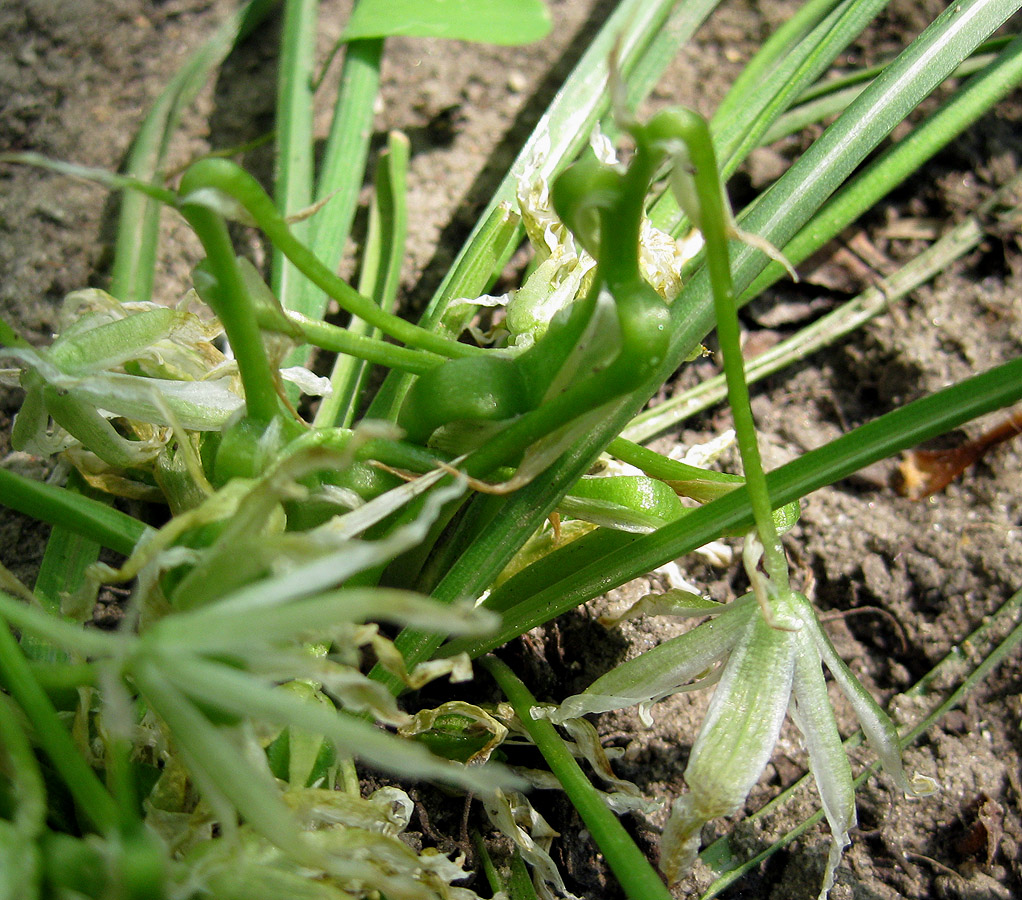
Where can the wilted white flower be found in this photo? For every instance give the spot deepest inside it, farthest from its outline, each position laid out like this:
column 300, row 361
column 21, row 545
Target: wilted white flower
column 514, row 817
column 761, row 672
column 563, row 273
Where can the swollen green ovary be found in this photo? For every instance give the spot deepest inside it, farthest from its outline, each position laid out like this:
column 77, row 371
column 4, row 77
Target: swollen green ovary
column 463, row 390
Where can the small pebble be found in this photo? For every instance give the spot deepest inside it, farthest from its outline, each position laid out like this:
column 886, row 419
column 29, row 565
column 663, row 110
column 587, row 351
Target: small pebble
column 517, row 82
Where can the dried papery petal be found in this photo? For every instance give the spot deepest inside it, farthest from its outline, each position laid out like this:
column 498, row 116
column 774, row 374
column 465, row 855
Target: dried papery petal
column 513, row 816
column 386, row 811
column 875, row 723
column 603, row 147
column 460, row 711
column 675, row 603
column 563, row 271
column 308, row 382
column 736, row 740
column 588, row 742
column 619, row 802
column 458, row 668
column 661, row 258
column 812, row 713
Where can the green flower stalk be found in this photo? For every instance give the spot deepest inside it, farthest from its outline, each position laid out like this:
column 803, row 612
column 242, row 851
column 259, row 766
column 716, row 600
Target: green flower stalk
column 768, row 648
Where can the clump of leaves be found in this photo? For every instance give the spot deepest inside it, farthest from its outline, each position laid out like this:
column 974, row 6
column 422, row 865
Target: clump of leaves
column 303, row 573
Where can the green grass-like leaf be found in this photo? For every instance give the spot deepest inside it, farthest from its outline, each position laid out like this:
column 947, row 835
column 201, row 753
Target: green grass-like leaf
column 492, row 22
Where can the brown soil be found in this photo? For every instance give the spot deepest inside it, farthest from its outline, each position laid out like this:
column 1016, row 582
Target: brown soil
column 920, row 576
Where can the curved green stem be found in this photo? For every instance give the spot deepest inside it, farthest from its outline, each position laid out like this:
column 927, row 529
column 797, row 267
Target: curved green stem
column 235, row 312
column 642, row 315
column 715, row 219
column 225, row 177
column 621, row 227
column 341, row 340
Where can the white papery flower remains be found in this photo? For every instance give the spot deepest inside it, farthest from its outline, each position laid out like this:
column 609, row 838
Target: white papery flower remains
column 761, row 671
column 564, row 268
column 149, row 367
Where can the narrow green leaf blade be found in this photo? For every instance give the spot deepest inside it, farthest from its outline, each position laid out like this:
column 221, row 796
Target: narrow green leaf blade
column 489, row 22
column 80, row 514
column 895, row 431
